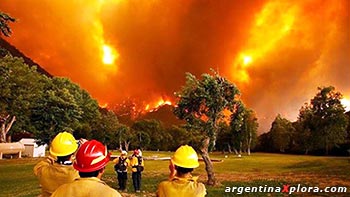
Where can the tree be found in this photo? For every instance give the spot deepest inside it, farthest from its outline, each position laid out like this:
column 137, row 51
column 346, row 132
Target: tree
column 201, row 104
column 250, row 128
column 88, row 106
column 148, row 132
column 106, row 128
column 327, row 121
column 125, row 136
column 20, row 88
column 281, row 131
column 244, row 126
column 56, row 111
column 236, row 127
column 4, row 23
column 303, row 136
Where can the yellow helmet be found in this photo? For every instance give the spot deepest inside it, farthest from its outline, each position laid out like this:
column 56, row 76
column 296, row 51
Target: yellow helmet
column 63, row 144
column 185, row 157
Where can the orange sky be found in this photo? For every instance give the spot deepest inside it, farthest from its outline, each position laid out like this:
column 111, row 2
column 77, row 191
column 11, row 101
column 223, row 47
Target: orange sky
column 277, row 52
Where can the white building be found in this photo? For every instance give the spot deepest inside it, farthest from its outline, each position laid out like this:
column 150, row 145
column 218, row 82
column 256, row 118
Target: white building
column 32, row 149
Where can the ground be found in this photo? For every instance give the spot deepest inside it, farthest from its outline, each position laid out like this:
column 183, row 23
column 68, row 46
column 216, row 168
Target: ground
column 259, row 169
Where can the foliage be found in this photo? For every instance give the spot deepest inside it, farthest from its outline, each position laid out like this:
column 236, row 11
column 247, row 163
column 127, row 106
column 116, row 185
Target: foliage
column 20, row 88
column 321, row 128
column 105, row 129
column 43, row 106
column 4, row 23
column 56, row 111
column 202, row 102
column 325, row 119
column 147, row 131
column 281, row 131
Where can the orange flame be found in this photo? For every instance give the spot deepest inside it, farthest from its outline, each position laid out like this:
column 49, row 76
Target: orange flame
column 346, row 103
column 275, row 21
column 157, row 104
column 109, row 55
column 103, row 105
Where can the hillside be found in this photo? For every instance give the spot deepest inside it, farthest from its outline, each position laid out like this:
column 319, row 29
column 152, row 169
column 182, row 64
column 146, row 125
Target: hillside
column 164, row 114
column 16, row 53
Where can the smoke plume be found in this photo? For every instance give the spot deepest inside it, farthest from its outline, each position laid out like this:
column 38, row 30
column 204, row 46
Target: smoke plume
column 277, row 52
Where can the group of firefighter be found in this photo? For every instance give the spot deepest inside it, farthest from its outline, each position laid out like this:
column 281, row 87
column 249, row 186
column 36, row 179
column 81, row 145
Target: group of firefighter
column 75, row 169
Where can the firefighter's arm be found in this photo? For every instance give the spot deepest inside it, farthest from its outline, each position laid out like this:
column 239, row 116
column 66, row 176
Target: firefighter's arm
column 172, row 169
column 116, row 160
column 46, row 162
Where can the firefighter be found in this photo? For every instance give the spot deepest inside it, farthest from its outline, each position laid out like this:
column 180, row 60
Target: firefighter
column 181, row 183
column 91, row 160
column 121, row 167
column 57, row 169
column 137, row 165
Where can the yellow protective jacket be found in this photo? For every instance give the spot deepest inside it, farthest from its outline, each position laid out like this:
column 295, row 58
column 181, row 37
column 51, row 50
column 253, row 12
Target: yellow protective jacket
column 51, row 175
column 126, row 162
column 86, row 187
column 181, row 187
column 135, row 162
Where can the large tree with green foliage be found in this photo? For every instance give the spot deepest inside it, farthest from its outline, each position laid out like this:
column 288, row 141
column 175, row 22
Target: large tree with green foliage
column 20, row 88
column 201, row 104
column 243, row 126
column 302, row 137
column 325, row 119
column 148, row 134
column 281, row 132
column 55, row 111
column 250, row 129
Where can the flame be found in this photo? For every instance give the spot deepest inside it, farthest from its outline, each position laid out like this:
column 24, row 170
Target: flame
column 346, row 103
column 247, row 59
column 109, row 54
column 103, row 105
column 272, row 24
column 155, row 105
column 147, row 107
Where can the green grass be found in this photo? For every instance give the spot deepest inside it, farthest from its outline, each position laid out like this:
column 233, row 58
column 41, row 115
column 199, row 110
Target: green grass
column 259, row 169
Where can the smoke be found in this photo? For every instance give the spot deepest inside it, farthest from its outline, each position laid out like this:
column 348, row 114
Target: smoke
column 294, row 47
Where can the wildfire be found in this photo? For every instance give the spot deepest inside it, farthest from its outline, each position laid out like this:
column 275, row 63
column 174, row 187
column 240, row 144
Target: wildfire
column 109, row 54
column 157, row 104
column 272, row 24
column 246, row 59
column 346, row 103
column 103, row 105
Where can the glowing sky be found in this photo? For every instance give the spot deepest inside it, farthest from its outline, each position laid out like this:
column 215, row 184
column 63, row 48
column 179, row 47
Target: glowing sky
column 277, row 52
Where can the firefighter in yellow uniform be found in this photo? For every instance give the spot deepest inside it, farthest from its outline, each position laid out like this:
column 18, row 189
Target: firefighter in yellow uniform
column 181, row 183
column 53, row 172
column 121, row 168
column 137, row 166
column 91, row 160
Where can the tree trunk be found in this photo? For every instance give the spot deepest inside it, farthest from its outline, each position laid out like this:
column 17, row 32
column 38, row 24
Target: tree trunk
column 236, row 152
column 126, row 145
column 229, row 148
column 240, row 147
column 327, row 147
column 6, row 128
column 207, row 161
column 248, row 148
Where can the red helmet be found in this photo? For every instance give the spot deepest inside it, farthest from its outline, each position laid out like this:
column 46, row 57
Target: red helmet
column 91, row 156
column 136, row 152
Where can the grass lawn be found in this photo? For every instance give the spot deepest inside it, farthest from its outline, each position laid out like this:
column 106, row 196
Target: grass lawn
column 259, row 169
